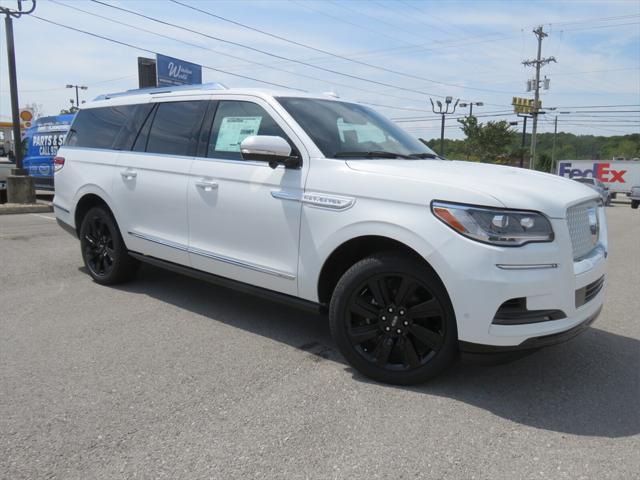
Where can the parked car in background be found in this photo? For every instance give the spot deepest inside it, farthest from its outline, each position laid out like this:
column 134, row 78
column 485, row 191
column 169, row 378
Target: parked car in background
column 326, row 204
column 598, row 186
column 635, row 196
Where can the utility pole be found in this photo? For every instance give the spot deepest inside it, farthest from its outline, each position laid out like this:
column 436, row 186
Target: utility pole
column 538, row 63
column 20, row 187
column 442, row 112
column 524, row 138
column 77, row 87
column 553, row 148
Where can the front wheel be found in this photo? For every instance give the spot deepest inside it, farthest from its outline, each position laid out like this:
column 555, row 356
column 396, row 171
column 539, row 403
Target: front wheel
column 392, row 320
column 103, row 250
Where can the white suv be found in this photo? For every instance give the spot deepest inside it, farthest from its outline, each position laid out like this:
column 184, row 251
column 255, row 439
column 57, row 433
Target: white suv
column 328, row 205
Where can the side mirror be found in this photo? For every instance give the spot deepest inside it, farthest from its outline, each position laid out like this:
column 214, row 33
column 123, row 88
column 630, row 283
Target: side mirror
column 267, row 148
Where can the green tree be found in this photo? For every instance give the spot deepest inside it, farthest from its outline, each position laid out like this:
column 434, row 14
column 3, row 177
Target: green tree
column 543, row 164
column 489, row 142
column 66, row 111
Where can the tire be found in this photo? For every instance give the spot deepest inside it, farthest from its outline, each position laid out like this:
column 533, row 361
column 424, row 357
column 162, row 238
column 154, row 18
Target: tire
column 103, row 251
column 635, row 203
column 392, row 320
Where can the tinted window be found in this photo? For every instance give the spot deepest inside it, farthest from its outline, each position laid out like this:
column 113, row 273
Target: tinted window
column 130, row 130
column 98, row 127
column 175, row 128
column 351, row 129
column 234, row 121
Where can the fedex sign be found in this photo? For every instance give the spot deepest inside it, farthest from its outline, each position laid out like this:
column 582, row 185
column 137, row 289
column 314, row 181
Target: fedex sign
column 601, row 171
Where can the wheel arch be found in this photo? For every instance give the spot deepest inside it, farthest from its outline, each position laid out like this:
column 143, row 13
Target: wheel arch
column 355, row 249
column 86, row 200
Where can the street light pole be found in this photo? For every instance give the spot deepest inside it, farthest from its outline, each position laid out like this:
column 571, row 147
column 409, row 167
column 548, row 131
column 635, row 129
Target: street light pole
column 20, row 187
column 442, row 112
column 470, row 105
column 77, row 87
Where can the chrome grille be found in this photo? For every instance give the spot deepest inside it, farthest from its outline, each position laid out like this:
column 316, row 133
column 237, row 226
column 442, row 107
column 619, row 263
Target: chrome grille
column 583, row 238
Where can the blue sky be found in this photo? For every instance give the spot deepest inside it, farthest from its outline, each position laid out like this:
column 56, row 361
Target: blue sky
column 467, row 49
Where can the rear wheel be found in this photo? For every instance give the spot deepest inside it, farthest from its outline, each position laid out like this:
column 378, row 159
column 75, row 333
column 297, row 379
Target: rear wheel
column 103, row 249
column 392, row 320
column 635, row 203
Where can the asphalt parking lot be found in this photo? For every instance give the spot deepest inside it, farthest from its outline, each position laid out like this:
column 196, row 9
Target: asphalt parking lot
column 167, row 377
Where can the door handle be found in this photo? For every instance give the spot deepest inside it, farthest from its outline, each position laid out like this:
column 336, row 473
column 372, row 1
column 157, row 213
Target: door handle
column 207, row 185
column 129, row 174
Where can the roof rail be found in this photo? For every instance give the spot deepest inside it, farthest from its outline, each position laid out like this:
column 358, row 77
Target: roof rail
column 167, row 89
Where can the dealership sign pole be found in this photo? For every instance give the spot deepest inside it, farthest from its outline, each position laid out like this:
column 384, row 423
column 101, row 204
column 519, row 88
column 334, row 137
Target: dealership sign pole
column 20, row 188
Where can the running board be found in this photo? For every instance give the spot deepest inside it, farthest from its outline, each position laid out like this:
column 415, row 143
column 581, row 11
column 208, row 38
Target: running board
column 229, row 283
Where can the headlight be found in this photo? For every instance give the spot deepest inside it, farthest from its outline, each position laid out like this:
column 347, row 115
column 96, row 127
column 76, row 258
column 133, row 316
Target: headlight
column 496, row 226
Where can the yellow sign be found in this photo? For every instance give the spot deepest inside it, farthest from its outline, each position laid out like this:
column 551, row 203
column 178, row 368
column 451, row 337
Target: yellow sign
column 525, row 105
column 26, row 115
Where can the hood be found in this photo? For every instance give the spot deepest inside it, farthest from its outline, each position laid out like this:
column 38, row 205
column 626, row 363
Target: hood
column 512, row 187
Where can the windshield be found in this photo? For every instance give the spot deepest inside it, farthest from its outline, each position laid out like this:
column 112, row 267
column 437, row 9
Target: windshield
column 349, row 130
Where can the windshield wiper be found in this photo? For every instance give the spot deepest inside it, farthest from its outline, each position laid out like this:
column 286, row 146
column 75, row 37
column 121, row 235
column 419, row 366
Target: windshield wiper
column 371, row 154
column 424, row 155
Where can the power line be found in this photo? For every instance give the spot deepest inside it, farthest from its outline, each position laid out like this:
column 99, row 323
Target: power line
column 237, row 44
column 156, row 53
column 330, row 82
column 595, row 20
column 600, row 26
column 327, row 52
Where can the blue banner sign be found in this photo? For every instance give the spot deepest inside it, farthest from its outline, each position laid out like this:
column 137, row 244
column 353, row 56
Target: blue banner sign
column 173, row 71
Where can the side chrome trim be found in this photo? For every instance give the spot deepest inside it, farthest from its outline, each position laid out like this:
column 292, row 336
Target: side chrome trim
column 533, row 266
column 240, row 263
column 214, row 256
column 55, row 205
column 286, row 195
column 160, row 241
column 330, row 202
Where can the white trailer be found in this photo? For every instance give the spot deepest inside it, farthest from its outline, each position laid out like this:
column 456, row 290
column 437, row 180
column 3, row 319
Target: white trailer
column 618, row 175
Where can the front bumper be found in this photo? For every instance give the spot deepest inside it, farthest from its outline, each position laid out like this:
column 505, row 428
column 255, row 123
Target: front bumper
column 543, row 274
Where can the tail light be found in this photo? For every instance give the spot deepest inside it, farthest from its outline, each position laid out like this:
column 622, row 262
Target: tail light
column 58, row 163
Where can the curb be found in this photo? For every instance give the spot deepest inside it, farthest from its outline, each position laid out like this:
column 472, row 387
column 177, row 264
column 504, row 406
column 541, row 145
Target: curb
column 13, row 208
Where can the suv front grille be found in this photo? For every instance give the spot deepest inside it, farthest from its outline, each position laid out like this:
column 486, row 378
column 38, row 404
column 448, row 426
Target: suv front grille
column 583, row 239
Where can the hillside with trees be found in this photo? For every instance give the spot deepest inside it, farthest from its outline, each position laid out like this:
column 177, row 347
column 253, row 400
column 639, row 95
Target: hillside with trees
column 498, row 142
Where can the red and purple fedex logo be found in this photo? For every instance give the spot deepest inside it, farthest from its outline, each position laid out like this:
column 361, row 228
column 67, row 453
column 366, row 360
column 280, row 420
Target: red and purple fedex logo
column 601, row 171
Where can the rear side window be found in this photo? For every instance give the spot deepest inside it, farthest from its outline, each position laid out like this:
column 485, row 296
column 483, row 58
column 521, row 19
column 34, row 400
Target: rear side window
column 130, row 130
column 236, row 120
column 99, row 127
column 175, row 128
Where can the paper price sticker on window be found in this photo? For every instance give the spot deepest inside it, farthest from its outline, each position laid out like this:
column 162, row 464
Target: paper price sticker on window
column 235, row 129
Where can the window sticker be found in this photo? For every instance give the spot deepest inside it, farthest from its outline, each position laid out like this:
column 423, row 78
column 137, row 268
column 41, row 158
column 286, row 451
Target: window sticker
column 359, row 133
column 235, row 129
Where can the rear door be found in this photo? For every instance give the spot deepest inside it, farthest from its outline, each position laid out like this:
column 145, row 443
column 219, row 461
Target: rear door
column 151, row 185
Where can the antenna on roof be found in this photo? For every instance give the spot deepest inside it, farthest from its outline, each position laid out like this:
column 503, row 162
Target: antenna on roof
column 332, row 94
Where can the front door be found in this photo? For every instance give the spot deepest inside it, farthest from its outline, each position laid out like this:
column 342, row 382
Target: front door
column 244, row 216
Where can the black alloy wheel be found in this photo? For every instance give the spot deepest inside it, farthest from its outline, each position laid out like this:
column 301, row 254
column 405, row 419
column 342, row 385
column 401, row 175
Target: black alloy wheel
column 394, row 321
column 103, row 250
column 98, row 246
